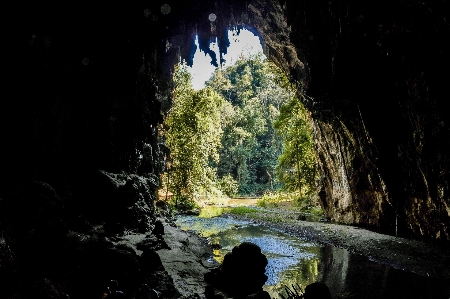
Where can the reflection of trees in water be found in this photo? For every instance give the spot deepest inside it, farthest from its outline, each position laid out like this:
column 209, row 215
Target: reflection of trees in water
column 354, row 276
column 333, row 268
column 298, row 263
column 302, row 274
column 330, row 265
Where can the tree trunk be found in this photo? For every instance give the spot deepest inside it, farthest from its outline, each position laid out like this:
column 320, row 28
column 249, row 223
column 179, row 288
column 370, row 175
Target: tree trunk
column 270, row 179
column 298, row 170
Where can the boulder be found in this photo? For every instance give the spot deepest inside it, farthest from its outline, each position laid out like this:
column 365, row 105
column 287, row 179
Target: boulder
column 150, row 261
column 241, row 273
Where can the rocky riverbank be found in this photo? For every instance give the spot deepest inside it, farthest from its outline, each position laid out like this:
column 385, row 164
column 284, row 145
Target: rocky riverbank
column 187, row 260
column 409, row 255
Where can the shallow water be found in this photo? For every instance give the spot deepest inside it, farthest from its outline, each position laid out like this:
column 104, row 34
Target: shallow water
column 293, row 261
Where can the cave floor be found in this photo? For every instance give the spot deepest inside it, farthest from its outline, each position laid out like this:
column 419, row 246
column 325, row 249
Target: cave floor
column 187, row 260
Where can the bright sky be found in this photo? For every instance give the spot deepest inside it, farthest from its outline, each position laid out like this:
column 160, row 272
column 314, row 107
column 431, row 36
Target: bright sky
column 246, row 43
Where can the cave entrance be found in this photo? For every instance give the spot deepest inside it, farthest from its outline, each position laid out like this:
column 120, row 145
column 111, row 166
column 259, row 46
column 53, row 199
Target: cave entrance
column 238, row 128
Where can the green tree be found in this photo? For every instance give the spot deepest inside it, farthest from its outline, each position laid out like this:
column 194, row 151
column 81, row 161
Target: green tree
column 250, row 147
column 193, row 133
column 297, row 163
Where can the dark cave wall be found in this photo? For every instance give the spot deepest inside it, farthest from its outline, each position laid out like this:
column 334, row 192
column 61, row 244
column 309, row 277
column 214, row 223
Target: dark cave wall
column 81, row 86
column 82, row 93
column 379, row 68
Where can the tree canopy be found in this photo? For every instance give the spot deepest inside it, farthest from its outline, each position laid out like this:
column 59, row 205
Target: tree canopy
column 245, row 133
column 250, row 147
column 193, row 133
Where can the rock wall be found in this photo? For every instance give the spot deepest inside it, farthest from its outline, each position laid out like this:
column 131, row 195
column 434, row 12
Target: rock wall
column 351, row 190
column 80, row 157
column 377, row 105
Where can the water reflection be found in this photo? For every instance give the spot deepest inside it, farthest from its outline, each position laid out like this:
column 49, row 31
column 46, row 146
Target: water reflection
column 292, row 261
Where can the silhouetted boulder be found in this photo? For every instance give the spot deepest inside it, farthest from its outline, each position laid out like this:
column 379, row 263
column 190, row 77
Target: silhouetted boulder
column 158, row 229
column 242, row 271
column 150, row 261
column 317, row 290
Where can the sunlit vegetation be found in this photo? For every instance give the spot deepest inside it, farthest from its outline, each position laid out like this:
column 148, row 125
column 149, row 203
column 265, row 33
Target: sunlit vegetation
column 275, row 199
column 290, row 200
column 213, row 211
column 250, row 146
column 192, row 131
column 245, row 134
column 242, row 210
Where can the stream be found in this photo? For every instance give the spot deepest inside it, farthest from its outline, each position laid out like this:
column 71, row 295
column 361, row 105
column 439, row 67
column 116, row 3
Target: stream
column 293, row 261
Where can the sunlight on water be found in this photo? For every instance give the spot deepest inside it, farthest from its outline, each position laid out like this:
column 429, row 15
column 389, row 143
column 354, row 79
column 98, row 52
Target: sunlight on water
column 290, row 260
column 293, row 261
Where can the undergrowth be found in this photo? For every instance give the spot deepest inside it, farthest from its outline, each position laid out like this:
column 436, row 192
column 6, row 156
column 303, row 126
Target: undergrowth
column 183, row 203
column 300, row 203
column 242, row 211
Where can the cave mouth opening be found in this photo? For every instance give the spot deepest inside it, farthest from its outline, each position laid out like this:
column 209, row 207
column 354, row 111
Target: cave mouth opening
column 253, row 157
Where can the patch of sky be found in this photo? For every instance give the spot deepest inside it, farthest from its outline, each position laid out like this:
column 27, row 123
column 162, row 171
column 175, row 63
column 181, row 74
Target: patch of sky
column 244, row 44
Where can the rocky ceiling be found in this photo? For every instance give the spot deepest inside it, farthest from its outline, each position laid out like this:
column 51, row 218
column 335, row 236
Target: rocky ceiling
column 85, row 87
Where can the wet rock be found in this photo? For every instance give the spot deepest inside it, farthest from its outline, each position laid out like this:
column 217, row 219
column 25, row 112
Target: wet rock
column 79, row 224
column 45, row 289
column 324, row 219
column 193, row 212
column 216, row 246
column 118, row 198
column 128, row 193
column 153, row 243
column 41, row 211
column 145, row 292
column 150, row 242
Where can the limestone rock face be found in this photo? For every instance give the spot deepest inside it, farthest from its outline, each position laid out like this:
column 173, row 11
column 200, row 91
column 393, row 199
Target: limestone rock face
column 352, row 190
column 377, row 106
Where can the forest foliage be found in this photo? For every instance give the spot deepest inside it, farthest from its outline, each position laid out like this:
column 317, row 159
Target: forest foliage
column 245, row 133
